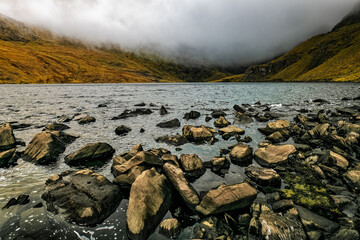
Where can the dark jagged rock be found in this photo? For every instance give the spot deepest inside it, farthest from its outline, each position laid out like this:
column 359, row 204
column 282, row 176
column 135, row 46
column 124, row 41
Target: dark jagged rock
column 227, row 198
column 7, row 138
column 8, row 158
column 163, row 111
column 20, row 200
column 150, row 199
column 242, row 118
column 140, row 104
column 221, row 122
column 321, row 101
column 89, row 154
column 133, row 113
column 82, row 197
column 218, row 113
column 102, row 105
column 176, row 140
column 122, row 130
column 192, row 115
column 208, row 119
column 174, row 123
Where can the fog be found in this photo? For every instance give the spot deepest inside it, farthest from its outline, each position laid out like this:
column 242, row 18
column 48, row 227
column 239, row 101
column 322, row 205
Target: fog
column 220, row 32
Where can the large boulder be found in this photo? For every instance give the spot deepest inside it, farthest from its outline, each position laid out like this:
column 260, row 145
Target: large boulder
column 241, row 153
column 45, row 147
column 181, row 184
column 227, row 198
column 197, row 133
column 90, row 153
column 352, row 177
column 149, row 201
column 272, row 155
column 192, row 165
column 125, row 180
column 8, row 158
column 143, row 158
column 263, row 176
column 174, row 123
column 192, row 115
column 7, row 138
column 82, row 197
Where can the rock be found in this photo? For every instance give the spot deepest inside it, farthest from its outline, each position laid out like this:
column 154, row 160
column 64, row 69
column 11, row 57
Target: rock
column 176, row 140
column 302, row 147
column 102, row 105
column 352, row 177
column 263, row 176
column 221, row 122
column 276, row 137
column 210, row 228
column 346, row 111
column 125, row 180
column 89, row 154
column 44, row 148
column 7, row 138
column 231, row 131
column 218, row 113
column 82, row 197
column 35, row 224
column 64, row 118
column 242, row 118
column 320, row 130
column 239, row 109
column 142, row 104
column 56, row 127
column 333, row 159
column 66, row 138
column 312, row 221
column 21, row 200
column 218, row 163
column 86, row 120
column 192, row 115
column 174, row 123
column 197, row 133
column 142, row 157
column 163, row 111
column 345, row 205
column 346, row 127
column 170, row 228
column 133, row 113
column 246, row 139
column 283, row 205
column 241, row 153
column 321, row 101
column 273, row 155
column 346, row 234
column 142, row 130
column 192, row 165
column 149, row 201
column 172, row 159
column 181, row 184
column 227, row 198
column 8, row 158
column 278, row 125
column 122, row 130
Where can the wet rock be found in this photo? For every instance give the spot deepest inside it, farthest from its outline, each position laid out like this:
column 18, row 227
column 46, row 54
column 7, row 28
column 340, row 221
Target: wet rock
column 210, row 228
column 239, row 109
column 174, row 123
column 35, row 224
column 302, row 147
column 346, row 127
column 64, row 118
column 242, row 118
column 125, row 180
column 142, row 157
column 172, row 159
column 133, row 113
column 192, row 165
column 227, row 198
column 207, row 119
column 191, row 115
column 163, row 111
column 197, row 133
column 346, row 234
column 278, row 125
column 176, row 140
column 230, row 131
column 170, row 228
column 8, row 158
column 150, row 199
column 246, row 139
column 276, row 137
column 347, row 111
column 142, row 104
column 86, row 120
column 333, row 159
column 283, row 205
column 102, row 105
column 181, row 184
column 263, row 176
column 56, row 127
column 92, row 153
column 314, row 222
column 7, row 138
column 219, row 163
column 142, row 130
column 241, row 153
column 352, row 177
column 44, row 148
column 273, row 155
column 82, row 197
column 321, row 101
column 20, row 200
column 122, row 130
column 345, row 205
column 218, row 113
column 320, row 130
column 221, row 122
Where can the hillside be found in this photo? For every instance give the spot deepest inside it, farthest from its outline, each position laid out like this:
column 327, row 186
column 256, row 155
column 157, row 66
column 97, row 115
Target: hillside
column 333, row 56
column 31, row 55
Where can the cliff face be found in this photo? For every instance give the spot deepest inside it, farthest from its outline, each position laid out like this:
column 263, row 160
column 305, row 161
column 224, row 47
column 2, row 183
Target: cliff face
column 334, row 56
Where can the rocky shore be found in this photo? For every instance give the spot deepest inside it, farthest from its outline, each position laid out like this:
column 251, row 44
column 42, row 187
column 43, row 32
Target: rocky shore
column 302, row 181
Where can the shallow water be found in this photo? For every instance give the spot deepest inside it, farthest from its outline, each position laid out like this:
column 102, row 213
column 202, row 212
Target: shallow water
column 39, row 105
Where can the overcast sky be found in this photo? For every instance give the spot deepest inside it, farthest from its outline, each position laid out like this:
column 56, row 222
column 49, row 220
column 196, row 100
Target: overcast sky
column 205, row 31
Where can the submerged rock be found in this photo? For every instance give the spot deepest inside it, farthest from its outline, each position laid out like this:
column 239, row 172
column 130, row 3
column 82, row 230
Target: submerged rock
column 163, row 111
column 7, row 138
column 82, row 197
column 90, row 153
column 86, row 120
column 243, row 118
column 227, row 198
column 176, row 140
column 174, row 123
column 122, row 130
column 272, row 155
column 133, row 113
column 192, row 115
column 150, row 199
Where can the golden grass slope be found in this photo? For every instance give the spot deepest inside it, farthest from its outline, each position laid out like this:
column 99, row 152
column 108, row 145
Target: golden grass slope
column 334, row 56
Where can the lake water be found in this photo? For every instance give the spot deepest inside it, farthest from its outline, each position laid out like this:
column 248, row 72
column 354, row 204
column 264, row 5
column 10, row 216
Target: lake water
column 39, row 105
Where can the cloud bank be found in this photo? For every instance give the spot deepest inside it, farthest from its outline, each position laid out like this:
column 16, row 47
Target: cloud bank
column 220, row 32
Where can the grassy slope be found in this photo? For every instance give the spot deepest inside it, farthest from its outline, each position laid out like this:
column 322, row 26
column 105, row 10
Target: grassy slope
column 334, row 56
column 30, row 55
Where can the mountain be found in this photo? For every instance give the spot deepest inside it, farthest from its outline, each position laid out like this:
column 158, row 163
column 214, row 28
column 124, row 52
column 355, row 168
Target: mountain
column 32, row 55
column 333, row 56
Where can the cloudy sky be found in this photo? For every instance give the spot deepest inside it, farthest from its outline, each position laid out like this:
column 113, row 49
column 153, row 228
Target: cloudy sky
column 219, row 32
